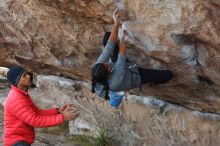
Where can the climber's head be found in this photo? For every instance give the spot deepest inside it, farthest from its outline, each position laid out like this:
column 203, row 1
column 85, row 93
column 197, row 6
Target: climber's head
column 100, row 72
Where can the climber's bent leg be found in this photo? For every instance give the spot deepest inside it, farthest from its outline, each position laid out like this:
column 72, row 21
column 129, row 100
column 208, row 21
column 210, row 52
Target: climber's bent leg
column 155, row 76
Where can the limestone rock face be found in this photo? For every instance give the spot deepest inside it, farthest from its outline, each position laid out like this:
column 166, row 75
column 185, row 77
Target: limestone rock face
column 63, row 37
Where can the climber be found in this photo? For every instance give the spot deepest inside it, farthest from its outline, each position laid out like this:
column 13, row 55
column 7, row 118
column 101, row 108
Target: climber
column 114, row 98
column 21, row 115
column 122, row 75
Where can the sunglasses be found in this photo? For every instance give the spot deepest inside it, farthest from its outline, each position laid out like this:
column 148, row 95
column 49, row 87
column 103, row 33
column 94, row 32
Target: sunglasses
column 28, row 75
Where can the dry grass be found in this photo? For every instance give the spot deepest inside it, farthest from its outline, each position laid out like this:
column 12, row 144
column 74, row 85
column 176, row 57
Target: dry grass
column 58, row 130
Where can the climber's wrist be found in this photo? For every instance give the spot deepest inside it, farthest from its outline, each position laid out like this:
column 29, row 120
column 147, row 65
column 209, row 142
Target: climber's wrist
column 116, row 24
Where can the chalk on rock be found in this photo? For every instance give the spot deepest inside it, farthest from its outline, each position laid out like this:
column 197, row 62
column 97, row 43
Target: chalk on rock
column 120, row 5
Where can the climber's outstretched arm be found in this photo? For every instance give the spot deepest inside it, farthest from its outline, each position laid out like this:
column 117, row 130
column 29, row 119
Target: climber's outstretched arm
column 107, row 51
column 114, row 35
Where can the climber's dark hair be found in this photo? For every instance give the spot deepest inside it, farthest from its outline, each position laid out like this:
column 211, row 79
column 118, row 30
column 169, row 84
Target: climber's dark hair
column 99, row 74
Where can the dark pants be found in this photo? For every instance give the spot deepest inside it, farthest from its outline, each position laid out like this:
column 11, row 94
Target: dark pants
column 147, row 75
column 21, row 143
column 154, row 76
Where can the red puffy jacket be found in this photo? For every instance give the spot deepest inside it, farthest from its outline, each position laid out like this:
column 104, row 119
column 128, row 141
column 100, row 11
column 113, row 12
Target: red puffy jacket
column 21, row 116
